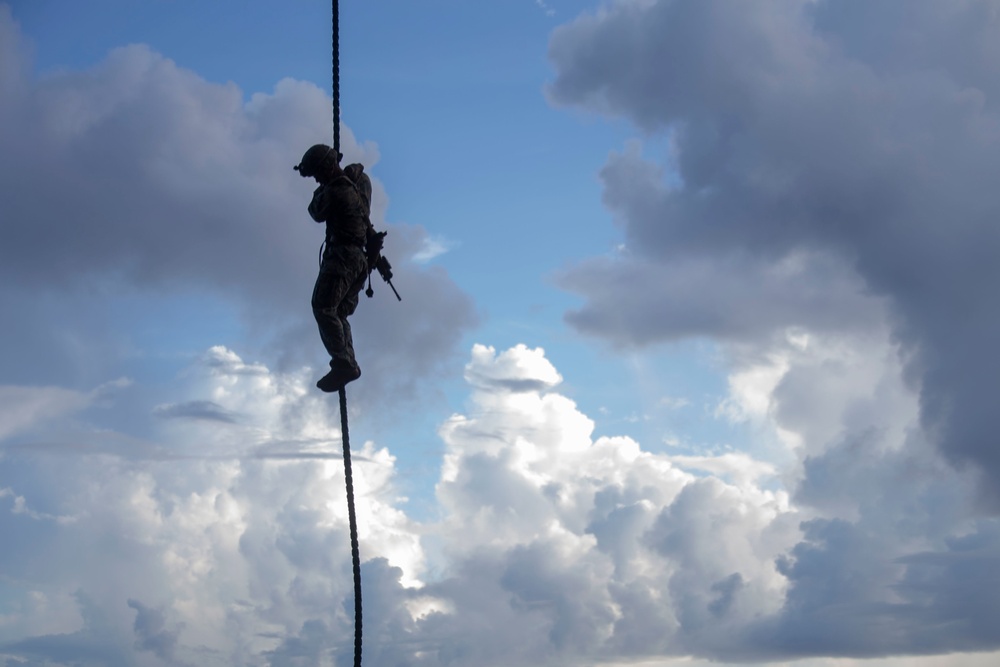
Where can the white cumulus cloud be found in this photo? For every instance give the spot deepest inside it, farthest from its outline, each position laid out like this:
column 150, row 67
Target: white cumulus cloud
column 227, row 541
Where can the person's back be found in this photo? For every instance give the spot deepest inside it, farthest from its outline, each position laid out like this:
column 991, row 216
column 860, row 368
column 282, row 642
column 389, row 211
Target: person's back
column 344, row 204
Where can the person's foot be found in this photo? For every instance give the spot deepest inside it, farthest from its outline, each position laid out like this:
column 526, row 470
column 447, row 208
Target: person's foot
column 338, row 377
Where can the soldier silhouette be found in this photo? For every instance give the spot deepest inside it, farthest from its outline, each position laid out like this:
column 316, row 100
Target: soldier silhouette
column 343, row 202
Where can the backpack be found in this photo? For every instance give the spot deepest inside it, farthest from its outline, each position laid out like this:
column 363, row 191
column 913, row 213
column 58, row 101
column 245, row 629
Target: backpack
column 355, row 173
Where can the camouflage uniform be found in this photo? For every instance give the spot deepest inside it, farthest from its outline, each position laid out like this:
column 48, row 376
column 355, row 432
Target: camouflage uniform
column 344, row 205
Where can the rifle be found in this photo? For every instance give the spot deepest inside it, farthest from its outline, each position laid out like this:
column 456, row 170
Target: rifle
column 373, row 250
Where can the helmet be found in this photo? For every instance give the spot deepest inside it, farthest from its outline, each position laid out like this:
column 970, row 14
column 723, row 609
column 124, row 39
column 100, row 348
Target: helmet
column 317, row 159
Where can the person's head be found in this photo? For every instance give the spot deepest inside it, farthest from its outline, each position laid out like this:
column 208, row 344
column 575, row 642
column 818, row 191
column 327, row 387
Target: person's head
column 320, row 162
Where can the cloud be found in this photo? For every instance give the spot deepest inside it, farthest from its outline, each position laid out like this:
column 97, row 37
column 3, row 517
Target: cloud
column 224, row 541
column 24, row 407
column 194, row 410
column 21, row 507
column 578, row 528
column 517, row 369
column 634, row 299
column 544, row 6
column 433, row 247
column 151, row 633
column 824, row 163
column 138, row 179
column 87, row 646
column 196, row 556
column 547, row 545
column 739, row 466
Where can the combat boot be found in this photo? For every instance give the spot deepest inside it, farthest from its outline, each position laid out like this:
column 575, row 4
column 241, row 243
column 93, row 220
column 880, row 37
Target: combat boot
column 341, row 372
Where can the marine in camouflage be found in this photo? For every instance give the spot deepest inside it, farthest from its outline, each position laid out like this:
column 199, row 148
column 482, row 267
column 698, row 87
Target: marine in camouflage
column 343, row 202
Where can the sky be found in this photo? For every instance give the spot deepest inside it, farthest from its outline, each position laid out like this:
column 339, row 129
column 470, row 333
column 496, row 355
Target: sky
column 694, row 364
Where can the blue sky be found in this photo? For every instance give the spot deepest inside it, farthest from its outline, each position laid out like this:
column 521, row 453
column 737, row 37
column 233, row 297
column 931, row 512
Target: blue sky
column 694, row 359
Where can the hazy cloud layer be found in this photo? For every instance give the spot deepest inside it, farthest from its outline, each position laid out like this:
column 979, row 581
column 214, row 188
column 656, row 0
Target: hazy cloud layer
column 823, row 154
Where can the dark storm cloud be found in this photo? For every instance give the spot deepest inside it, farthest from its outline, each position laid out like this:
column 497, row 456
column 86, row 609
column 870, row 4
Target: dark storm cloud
column 864, row 133
column 839, row 605
column 735, row 297
column 831, row 166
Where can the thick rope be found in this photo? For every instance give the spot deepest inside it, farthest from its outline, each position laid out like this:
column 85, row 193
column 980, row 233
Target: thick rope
column 352, row 517
column 355, row 552
column 336, row 76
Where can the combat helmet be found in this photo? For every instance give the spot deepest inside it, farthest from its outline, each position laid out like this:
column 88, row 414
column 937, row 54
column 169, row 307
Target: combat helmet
column 317, row 159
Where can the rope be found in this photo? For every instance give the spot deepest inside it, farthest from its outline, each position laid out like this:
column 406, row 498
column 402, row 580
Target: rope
column 355, row 553
column 336, row 76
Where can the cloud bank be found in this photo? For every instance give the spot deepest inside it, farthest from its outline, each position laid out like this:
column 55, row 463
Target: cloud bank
column 827, row 160
column 550, row 546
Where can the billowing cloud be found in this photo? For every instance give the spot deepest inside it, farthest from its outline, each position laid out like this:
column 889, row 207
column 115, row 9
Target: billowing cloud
column 517, row 369
column 199, row 547
column 547, row 545
column 825, row 162
column 209, row 527
column 138, row 177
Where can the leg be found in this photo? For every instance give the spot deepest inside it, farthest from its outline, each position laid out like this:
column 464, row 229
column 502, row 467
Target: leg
column 331, row 287
column 335, row 297
column 345, row 310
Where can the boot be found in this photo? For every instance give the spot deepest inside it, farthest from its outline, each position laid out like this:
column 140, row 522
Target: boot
column 341, row 372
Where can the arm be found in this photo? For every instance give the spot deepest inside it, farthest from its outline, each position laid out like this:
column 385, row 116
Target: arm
column 337, row 199
column 319, row 205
